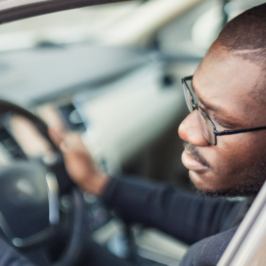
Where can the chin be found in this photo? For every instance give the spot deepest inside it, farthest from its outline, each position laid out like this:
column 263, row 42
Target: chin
column 202, row 181
column 201, row 184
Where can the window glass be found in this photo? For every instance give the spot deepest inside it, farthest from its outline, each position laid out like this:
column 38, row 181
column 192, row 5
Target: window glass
column 193, row 31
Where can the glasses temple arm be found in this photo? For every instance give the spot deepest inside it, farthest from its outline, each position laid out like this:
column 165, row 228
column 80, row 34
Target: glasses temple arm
column 230, row 132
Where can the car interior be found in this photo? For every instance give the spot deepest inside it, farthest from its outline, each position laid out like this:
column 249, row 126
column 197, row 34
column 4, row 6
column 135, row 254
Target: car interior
column 111, row 72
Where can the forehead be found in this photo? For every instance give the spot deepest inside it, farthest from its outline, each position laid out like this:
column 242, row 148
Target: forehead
column 228, row 81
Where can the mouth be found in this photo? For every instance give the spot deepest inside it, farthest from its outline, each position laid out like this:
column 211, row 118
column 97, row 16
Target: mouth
column 191, row 164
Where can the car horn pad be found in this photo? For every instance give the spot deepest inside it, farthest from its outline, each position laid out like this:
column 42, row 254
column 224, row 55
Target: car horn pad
column 28, row 203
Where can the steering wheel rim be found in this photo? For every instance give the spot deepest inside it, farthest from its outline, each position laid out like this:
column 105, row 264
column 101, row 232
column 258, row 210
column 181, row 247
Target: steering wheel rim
column 71, row 252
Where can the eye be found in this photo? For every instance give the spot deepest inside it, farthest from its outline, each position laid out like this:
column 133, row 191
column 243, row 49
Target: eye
column 219, row 122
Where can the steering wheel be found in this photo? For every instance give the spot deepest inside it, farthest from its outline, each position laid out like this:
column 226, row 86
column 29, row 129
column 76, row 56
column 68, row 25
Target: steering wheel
column 29, row 198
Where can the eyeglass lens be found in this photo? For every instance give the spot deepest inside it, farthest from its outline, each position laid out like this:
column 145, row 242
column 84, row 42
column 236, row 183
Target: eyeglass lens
column 205, row 123
column 206, row 126
column 188, row 98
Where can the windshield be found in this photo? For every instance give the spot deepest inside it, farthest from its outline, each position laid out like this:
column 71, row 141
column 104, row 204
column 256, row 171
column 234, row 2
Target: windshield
column 71, row 26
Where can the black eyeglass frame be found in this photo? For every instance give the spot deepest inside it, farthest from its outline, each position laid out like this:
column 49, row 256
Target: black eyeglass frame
column 215, row 131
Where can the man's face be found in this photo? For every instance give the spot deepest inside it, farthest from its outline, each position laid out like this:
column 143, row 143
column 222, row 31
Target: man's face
column 228, row 88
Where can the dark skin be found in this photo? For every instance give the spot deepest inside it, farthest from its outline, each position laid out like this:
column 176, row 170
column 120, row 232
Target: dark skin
column 226, row 85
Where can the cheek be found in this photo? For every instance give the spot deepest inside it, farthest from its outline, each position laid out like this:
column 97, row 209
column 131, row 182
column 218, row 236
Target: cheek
column 229, row 161
column 233, row 151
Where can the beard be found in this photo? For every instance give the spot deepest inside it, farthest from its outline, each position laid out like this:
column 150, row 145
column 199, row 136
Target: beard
column 249, row 187
column 253, row 180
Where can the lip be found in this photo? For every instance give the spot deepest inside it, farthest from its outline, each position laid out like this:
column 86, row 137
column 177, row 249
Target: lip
column 192, row 164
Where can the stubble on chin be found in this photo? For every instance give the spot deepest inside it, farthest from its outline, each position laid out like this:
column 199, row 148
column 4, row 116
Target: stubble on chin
column 253, row 180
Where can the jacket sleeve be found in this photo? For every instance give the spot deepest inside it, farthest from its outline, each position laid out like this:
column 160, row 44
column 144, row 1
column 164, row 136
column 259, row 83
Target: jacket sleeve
column 184, row 215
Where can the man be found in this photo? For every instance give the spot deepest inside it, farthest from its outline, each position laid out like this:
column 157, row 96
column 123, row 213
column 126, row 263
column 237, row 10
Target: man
column 225, row 153
column 226, row 94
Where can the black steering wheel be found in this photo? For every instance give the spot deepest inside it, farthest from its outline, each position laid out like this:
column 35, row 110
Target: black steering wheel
column 29, row 198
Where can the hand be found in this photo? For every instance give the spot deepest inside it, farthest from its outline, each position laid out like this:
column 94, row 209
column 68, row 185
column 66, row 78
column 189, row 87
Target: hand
column 79, row 163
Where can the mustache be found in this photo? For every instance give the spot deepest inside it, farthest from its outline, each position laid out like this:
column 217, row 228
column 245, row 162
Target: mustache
column 194, row 153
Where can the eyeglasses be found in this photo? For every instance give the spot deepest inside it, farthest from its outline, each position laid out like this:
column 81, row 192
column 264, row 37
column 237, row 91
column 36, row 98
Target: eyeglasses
column 207, row 126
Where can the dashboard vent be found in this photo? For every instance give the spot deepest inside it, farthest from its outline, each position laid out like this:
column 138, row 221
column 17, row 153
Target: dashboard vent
column 11, row 145
column 72, row 117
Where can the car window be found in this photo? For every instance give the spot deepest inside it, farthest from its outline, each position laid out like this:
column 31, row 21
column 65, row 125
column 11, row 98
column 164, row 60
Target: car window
column 192, row 32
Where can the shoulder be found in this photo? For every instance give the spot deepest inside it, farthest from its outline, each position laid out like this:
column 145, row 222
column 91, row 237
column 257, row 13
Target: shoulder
column 208, row 251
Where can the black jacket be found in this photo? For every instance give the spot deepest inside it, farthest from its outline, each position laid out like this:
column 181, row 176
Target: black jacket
column 208, row 224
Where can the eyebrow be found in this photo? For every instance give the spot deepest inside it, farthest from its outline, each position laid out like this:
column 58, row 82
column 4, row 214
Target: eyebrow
column 209, row 107
column 203, row 101
column 215, row 109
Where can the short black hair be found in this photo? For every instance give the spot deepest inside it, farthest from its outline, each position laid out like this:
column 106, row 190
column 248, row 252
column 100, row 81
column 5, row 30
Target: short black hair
column 245, row 35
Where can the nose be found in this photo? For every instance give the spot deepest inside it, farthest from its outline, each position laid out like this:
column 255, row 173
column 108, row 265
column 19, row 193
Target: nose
column 190, row 131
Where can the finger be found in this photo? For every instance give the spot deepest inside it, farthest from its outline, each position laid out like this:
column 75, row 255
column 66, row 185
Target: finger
column 56, row 137
column 64, row 147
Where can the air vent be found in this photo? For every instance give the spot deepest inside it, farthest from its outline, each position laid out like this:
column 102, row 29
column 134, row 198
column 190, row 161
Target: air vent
column 11, row 145
column 72, row 117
